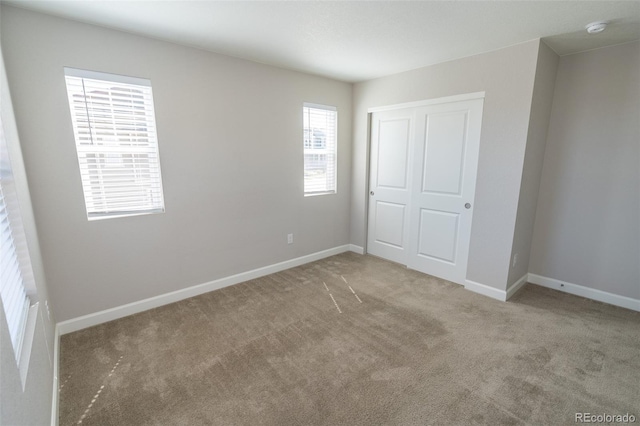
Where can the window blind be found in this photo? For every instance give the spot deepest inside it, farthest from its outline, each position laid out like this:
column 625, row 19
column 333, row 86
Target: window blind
column 117, row 144
column 320, row 123
column 15, row 300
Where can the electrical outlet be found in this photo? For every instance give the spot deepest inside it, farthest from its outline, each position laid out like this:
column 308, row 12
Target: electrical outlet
column 289, row 238
column 515, row 260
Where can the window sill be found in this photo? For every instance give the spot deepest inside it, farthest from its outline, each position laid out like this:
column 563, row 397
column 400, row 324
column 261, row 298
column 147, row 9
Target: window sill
column 27, row 343
column 123, row 214
column 313, row 194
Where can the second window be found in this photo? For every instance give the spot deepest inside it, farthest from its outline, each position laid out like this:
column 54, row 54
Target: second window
column 320, row 123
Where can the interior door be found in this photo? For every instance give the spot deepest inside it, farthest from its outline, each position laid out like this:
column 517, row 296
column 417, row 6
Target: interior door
column 392, row 135
column 445, row 161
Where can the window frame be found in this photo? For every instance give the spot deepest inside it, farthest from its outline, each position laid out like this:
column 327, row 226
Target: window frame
column 15, row 248
column 126, row 156
column 315, row 151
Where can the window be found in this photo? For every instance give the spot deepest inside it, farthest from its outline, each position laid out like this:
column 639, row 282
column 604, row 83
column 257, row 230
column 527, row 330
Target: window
column 13, row 255
column 320, row 125
column 117, row 144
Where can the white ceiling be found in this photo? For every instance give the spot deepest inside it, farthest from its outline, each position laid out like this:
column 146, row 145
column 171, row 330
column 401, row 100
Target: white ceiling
column 357, row 40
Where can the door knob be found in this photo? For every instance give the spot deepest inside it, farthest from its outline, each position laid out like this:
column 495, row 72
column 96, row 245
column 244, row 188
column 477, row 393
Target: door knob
column 467, row 206
column 371, row 193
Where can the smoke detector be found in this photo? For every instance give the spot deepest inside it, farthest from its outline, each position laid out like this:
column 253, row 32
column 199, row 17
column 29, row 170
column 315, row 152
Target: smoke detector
column 596, row 27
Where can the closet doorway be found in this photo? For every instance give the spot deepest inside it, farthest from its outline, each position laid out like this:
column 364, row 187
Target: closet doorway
column 423, row 166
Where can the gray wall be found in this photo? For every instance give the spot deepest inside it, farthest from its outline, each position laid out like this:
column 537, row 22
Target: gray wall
column 31, row 406
column 507, row 77
column 546, row 70
column 231, row 154
column 587, row 228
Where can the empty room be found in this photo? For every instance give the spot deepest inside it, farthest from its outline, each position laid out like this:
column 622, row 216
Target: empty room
column 319, row 212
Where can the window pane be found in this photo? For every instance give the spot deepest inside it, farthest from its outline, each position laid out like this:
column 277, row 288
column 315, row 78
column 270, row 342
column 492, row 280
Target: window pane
column 116, row 140
column 320, row 149
column 15, row 265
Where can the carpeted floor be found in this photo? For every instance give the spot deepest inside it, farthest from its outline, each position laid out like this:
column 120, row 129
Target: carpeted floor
column 402, row 348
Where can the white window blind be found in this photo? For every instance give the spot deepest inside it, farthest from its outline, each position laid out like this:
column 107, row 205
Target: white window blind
column 15, row 300
column 115, row 132
column 320, row 125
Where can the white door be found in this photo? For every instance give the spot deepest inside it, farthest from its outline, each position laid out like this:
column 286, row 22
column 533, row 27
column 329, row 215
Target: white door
column 422, row 179
column 444, row 175
column 392, row 134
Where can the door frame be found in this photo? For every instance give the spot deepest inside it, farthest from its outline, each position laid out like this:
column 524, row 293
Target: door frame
column 415, row 104
column 427, row 102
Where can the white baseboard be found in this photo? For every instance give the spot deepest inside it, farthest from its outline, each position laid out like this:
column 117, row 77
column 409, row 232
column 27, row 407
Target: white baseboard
column 56, row 394
column 485, row 290
column 589, row 293
column 356, row 249
column 90, row 320
column 513, row 288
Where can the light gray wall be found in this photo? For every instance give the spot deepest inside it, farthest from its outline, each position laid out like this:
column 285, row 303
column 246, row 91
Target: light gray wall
column 231, row 154
column 31, row 405
column 587, row 228
column 546, row 70
column 507, row 77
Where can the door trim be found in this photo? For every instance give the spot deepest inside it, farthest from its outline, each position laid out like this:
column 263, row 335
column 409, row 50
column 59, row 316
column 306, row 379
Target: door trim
column 435, row 101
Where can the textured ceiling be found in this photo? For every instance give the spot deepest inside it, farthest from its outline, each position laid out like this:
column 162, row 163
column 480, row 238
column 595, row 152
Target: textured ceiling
column 355, row 41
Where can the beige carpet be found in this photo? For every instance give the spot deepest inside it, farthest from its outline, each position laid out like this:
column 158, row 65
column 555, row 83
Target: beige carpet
column 402, row 348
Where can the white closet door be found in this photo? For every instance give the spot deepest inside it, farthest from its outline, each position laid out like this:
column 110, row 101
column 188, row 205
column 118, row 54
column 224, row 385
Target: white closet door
column 445, row 159
column 422, row 182
column 392, row 135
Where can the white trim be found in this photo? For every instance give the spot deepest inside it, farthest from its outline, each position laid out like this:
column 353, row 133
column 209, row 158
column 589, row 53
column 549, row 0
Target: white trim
column 320, row 106
column 356, row 249
column 27, row 343
column 56, row 394
column 513, row 288
column 443, row 100
column 315, row 194
column 589, row 293
column 485, row 290
column 97, row 75
column 111, row 314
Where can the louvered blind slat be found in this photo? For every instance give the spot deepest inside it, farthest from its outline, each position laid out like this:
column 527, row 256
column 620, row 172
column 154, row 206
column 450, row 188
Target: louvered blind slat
column 320, row 124
column 12, row 290
column 116, row 141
